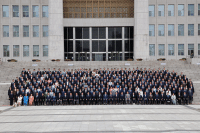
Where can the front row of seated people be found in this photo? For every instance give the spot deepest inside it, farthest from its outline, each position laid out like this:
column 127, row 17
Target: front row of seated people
column 96, row 98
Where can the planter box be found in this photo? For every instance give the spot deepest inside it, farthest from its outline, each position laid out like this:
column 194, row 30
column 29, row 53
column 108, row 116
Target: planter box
column 129, row 59
column 12, row 60
column 139, row 59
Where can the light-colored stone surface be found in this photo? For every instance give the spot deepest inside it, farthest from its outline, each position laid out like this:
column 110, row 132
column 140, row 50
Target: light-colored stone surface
column 141, row 29
column 97, row 119
column 55, row 39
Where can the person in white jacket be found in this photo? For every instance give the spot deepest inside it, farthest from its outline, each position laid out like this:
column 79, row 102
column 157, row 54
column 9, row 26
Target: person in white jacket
column 19, row 100
column 173, row 97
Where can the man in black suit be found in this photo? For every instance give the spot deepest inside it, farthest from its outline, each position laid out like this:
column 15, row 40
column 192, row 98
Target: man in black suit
column 59, row 99
column 157, row 98
column 185, row 98
column 105, row 98
column 99, row 98
column 145, row 98
column 116, row 98
column 121, row 98
column 162, row 98
column 71, row 99
column 76, row 99
column 110, row 98
column 179, row 97
column 168, row 99
column 82, row 99
column 94, row 99
column 11, row 98
column 65, row 99
column 190, row 95
column 88, row 98
column 37, row 99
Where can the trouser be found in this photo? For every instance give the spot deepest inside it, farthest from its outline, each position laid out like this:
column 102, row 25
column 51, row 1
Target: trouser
column 76, row 102
column 190, row 99
column 156, row 101
column 105, row 101
column 150, row 100
column 179, row 101
column 41, row 102
column 93, row 101
column 127, row 101
column 11, row 102
column 82, row 101
column 71, row 101
column 36, row 102
column 65, row 102
column 48, row 102
column 116, row 100
column 53, row 102
column 134, row 100
column 99, row 101
column 59, row 102
column 121, row 100
column 185, row 101
column 139, row 100
column 145, row 101
column 168, row 101
column 162, row 101
column 111, row 101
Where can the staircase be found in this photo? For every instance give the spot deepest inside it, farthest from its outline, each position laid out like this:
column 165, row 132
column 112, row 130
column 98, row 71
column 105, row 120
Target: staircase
column 11, row 70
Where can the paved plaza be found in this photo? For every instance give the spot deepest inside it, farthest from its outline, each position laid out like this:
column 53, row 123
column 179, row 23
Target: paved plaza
column 110, row 118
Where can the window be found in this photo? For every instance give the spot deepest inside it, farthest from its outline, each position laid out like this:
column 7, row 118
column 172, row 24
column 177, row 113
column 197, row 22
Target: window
column 170, row 10
column 171, row 49
column 115, row 46
column 114, row 32
column 35, row 50
column 45, row 31
column 181, row 49
column 25, row 50
column 6, row 51
column 190, row 49
column 161, row 49
column 190, row 29
column 99, row 33
column 151, row 49
column 15, row 11
column 35, row 30
column 161, row 10
column 181, row 30
column 15, row 50
column 25, row 11
column 82, row 46
column 199, row 9
column 161, row 30
column 5, row 11
column 99, row 46
column 25, row 31
column 128, row 32
column 180, row 10
column 190, row 9
column 198, row 29
column 45, row 50
column 170, row 30
column 68, row 43
column 198, row 49
column 82, row 33
column 151, row 30
column 35, row 11
column 16, row 31
column 5, row 31
column 151, row 10
column 45, row 11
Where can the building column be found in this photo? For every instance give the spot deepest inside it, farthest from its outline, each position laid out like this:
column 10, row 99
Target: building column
column 56, row 38
column 141, row 29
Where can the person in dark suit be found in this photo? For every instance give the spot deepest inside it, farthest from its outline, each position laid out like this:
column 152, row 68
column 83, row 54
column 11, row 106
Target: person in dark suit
column 185, row 98
column 65, row 99
column 157, row 98
column 162, row 98
column 48, row 99
column 145, row 98
column 121, row 98
column 139, row 98
column 110, row 98
column 76, row 99
column 190, row 95
column 94, row 99
column 71, row 99
column 116, row 98
column 105, row 98
column 59, row 99
column 151, row 97
column 88, row 98
column 11, row 98
column 53, row 99
column 134, row 98
column 179, row 97
column 37, row 99
column 99, row 98
column 82, row 99
column 42, row 99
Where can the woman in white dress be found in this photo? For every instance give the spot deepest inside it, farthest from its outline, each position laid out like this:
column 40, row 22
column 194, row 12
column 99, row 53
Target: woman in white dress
column 19, row 100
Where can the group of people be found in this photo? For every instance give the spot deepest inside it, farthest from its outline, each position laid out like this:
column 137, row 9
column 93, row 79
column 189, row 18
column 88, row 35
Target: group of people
column 115, row 86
